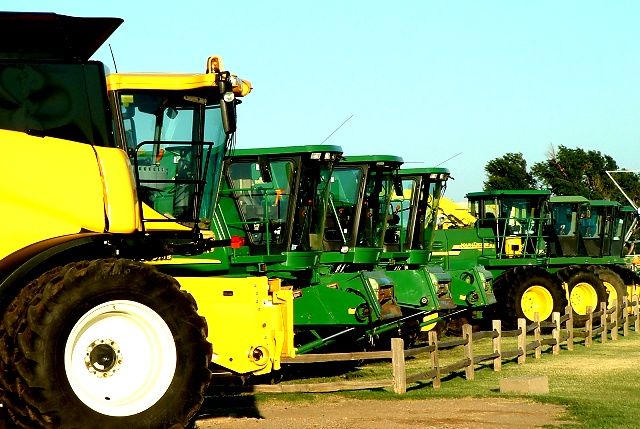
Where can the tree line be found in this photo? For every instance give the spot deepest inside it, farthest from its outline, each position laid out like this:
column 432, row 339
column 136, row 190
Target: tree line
column 566, row 171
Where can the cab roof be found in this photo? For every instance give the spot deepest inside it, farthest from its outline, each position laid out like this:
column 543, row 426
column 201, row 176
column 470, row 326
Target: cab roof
column 509, row 193
column 52, row 37
column 286, row 150
column 390, row 161
column 421, row 171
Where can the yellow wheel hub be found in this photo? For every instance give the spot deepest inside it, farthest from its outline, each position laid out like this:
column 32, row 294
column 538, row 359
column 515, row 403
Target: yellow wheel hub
column 583, row 295
column 612, row 294
column 430, row 326
column 537, row 299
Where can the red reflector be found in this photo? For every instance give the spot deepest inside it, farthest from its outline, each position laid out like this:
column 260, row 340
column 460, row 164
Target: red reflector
column 237, row 242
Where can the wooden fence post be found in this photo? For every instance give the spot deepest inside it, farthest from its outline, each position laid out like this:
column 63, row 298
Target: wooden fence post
column 636, row 313
column 467, row 334
column 614, row 331
column 497, row 345
column 603, row 321
column 435, row 359
column 399, row 370
column 569, row 311
column 536, row 336
column 625, row 314
column 555, row 317
column 522, row 340
column 588, row 327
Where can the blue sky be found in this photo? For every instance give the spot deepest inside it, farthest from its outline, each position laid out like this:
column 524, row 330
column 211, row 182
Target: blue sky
column 448, row 83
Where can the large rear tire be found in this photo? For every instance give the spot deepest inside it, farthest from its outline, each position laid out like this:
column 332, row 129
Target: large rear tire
column 614, row 287
column 107, row 343
column 526, row 291
column 585, row 290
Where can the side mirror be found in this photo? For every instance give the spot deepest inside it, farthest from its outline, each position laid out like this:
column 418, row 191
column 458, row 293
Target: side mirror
column 265, row 169
column 397, row 185
column 227, row 104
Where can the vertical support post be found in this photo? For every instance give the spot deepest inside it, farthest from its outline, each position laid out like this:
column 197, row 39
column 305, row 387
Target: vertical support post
column 615, row 315
column 555, row 317
column 467, row 334
column 497, row 345
column 636, row 313
column 536, row 336
column 399, row 370
column 625, row 315
column 603, row 321
column 522, row 340
column 435, row 359
column 588, row 327
column 569, row 311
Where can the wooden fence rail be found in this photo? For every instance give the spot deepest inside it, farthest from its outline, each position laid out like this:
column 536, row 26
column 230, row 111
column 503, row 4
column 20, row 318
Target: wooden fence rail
column 602, row 323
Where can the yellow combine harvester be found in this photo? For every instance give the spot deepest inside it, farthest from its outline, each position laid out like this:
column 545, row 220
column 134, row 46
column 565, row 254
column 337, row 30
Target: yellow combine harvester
column 101, row 176
column 454, row 215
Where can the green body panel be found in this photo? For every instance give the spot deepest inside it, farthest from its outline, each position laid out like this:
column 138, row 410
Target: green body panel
column 343, row 299
column 361, row 192
column 366, row 256
column 414, row 289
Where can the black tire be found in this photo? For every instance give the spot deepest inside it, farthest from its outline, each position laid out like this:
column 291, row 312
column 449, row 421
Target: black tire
column 48, row 324
column 612, row 283
column 582, row 278
column 513, row 287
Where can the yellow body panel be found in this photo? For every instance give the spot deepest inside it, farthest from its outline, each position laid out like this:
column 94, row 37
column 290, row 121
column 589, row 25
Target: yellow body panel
column 456, row 214
column 61, row 195
column 250, row 321
column 172, row 81
column 120, row 190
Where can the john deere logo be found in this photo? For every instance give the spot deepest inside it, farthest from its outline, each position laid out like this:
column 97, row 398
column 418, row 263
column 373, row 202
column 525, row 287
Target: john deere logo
column 455, row 250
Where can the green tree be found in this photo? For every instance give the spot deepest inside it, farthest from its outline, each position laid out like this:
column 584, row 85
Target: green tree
column 508, row 172
column 579, row 172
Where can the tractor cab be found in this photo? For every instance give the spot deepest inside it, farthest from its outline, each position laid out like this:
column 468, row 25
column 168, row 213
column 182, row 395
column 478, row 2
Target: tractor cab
column 175, row 128
column 586, row 227
column 272, row 206
column 513, row 221
column 469, row 284
column 355, row 228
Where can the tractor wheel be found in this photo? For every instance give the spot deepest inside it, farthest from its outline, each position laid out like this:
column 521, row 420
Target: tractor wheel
column 614, row 286
column 526, row 292
column 440, row 328
column 585, row 289
column 107, row 343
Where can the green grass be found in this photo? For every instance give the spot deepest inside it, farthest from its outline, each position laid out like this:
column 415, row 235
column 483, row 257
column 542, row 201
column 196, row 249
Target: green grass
column 598, row 385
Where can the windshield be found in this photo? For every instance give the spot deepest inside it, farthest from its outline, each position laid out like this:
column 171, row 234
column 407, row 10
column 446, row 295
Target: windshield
column 430, row 201
column 399, row 215
column 264, row 206
column 374, row 209
column 343, row 202
column 159, row 128
column 311, row 208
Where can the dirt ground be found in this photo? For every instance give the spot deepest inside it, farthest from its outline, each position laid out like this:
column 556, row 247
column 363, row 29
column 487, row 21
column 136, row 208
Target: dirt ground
column 467, row 413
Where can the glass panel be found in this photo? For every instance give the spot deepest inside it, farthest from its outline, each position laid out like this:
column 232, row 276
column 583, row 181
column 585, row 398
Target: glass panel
column 264, row 206
column 399, row 213
column 159, row 126
column 374, row 207
column 311, row 208
column 343, row 201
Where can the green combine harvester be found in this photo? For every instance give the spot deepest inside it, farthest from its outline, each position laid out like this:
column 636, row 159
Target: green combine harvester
column 544, row 252
column 272, row 207
column 364, row 230
column 408, row 245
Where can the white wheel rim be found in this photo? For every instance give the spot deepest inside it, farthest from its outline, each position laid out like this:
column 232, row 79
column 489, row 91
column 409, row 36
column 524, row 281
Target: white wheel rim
column 145, row 353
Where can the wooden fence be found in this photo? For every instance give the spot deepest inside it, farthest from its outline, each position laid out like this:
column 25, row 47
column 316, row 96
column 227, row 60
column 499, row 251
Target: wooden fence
column 602, row 324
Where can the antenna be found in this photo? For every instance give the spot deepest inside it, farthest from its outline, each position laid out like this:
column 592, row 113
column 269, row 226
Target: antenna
column 113, row 58
column 448, row 159
column 337, row 129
